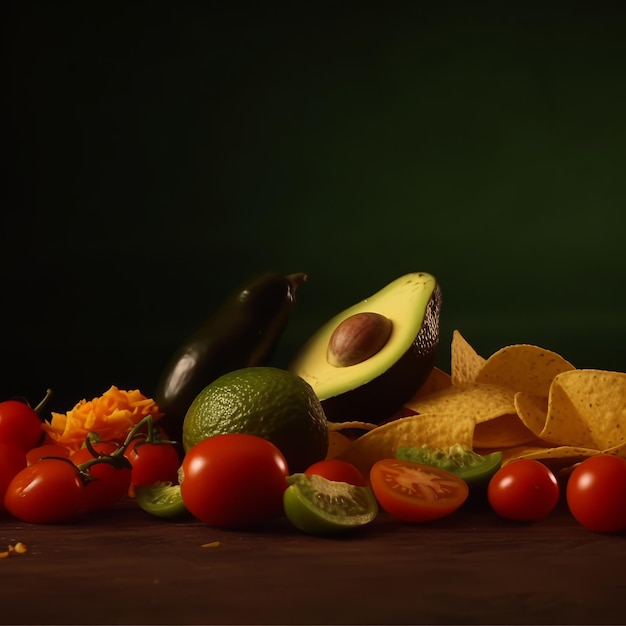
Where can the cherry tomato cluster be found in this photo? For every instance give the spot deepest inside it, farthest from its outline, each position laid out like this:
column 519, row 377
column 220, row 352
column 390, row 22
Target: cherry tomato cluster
column 20, row 431
column 42, row 482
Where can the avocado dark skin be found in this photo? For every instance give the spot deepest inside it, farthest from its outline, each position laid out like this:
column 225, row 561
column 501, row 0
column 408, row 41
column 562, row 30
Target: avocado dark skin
column 242, row 332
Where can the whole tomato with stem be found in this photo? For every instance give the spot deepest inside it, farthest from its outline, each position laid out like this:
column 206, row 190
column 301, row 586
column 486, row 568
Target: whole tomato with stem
column 47, row 492
column 44, row 450
column 152, row 461
column 54, row 489
column 20, row 423
column 106, row 482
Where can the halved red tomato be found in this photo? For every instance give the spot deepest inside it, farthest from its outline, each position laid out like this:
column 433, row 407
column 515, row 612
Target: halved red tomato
column 415, row 492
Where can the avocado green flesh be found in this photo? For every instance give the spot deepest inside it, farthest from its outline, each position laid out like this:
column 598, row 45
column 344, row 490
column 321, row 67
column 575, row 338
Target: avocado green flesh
column 373, row 389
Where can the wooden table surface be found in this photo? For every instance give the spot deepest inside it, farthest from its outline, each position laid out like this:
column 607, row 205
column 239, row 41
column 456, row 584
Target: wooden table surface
column 127, row 567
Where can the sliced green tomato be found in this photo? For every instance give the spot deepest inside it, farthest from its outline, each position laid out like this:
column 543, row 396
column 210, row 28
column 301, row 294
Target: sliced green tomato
column 473, row 468
column 483, row 471
column 318, row 506
column 161, row 499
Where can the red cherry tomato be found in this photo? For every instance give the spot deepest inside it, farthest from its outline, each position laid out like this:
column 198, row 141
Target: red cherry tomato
column 48, row 449
column 45, row 493
column 12, row 461
column 596, row 493
column 234, row 480
column 523, row 490
column 19, row 424
column 338, row 470
column 152, row 462
column 110, row 483
column 415, row 492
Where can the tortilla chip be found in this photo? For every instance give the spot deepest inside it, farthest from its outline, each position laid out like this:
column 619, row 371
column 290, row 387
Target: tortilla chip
column 587, row 408
column 619, row 450
column 337, row 443
column 432, row 429
column 332, row 426
column 524, row 400
column 532, row 411
column 479, row 403
column 523, row 367
column 436, row 381
column 501, row 432
column 563, row 455
column 465, row 363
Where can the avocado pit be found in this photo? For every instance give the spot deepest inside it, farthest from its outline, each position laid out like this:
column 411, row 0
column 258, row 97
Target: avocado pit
column 358, row 338
column 375, row 388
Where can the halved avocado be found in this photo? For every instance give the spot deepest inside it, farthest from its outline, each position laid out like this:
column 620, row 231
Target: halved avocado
column 376, row 387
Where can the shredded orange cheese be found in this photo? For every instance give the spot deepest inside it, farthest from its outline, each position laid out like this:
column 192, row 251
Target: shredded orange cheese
column 112, row 415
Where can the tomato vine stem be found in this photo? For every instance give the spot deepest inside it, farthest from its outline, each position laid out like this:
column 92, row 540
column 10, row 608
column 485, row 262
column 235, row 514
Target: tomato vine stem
column 115, row 458
column 43, row 402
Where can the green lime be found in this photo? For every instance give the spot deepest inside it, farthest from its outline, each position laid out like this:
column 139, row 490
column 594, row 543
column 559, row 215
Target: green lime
column 265, row 401
column 318, row 506
column 161, row 499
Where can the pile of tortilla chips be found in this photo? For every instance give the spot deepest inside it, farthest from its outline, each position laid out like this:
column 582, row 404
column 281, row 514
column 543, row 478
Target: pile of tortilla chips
column 524, row 400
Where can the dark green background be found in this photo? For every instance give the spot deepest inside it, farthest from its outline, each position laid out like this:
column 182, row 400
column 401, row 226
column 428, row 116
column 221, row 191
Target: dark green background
column 162, row 154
